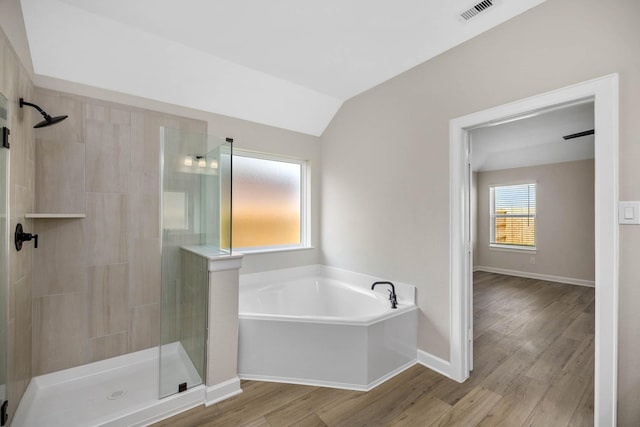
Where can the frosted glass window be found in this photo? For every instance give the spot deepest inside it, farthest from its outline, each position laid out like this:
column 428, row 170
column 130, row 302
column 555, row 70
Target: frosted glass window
column 174, row 210
column 267, row 210
column 513, row 216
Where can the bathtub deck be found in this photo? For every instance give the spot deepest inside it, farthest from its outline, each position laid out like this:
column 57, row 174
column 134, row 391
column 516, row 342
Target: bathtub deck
column 533, row 366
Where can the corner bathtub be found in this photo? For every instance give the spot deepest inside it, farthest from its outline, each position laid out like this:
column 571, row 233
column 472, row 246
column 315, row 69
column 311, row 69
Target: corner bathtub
column 324, row 326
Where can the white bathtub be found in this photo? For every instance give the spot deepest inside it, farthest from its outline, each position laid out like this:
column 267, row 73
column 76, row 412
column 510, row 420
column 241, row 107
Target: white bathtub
column 324, row 326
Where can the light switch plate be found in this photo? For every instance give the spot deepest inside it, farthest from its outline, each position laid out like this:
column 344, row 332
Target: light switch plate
column 629, row 212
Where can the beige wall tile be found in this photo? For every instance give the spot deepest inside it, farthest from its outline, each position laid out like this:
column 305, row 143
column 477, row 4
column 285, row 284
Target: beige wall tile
column 21, row 201
column 144, row 272
column 108, row 299
column 148, row 157
column 101, row 348
column 119, row 116
column 60, row 186
column 138, row 129
column 108, row 157
column 60, row 257
column 144, row 217
column 96, row 111
column 106, row 229
column 60, row 332
column 145, row 327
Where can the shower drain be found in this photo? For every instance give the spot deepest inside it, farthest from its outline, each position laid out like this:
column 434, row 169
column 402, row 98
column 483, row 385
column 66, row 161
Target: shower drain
column 116, row 394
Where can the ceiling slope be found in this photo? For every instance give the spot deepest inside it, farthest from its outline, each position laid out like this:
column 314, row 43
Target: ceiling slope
column 283, row 63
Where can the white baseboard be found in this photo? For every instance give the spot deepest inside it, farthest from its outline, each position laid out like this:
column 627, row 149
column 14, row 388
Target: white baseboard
column 219, row 392
column 547, row 277
column 331, row 384
column 434, row 363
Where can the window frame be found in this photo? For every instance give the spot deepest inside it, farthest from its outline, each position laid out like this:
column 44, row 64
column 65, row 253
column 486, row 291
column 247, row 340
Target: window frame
column 492, row 216
column 305, row 197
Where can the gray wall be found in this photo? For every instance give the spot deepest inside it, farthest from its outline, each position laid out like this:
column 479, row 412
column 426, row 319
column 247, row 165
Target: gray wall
column 565, row 222
column 385, row 156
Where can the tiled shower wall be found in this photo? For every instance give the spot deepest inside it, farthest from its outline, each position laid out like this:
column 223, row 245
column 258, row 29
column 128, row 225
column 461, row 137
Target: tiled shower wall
column 14, row 84
column 96, row 288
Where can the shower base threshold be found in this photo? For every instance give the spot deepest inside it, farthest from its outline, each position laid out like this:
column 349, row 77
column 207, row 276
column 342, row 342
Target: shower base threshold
column 121, row 391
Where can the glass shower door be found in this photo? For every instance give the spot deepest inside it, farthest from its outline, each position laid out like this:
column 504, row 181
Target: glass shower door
column 195, row 187
column 4, row 253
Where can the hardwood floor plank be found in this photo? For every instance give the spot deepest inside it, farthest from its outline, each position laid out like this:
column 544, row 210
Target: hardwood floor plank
column 311, row 402
column 383, row 410
column 470, row 410
column 582, row 362
column 583, row 415
column 260, row 422
column 244, row 409
column 517, row 404
column 559, row 403
column 581, row 327
column 311, row 420
column 421, row 412
column 550, row 363
column 337, row 414
column 502, row 379
column 490, row 351
column 191, row 418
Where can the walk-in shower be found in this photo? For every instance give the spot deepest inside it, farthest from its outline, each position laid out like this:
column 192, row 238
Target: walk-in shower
column 136, row 389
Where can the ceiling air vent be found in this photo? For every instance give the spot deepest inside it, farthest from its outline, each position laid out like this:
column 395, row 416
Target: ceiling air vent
column 476, row 9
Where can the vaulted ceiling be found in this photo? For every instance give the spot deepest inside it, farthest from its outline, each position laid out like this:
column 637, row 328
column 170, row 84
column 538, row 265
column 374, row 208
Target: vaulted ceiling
column 284, row 63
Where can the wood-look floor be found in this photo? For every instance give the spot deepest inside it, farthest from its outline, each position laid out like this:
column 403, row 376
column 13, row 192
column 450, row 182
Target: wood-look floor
column 533, row 366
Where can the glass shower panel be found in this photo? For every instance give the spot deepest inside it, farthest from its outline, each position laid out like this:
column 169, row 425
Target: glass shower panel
column 216, row 193
column 194, row 177
column 4, row 251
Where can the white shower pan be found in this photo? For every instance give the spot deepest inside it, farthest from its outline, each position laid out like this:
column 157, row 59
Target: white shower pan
column 121, row 391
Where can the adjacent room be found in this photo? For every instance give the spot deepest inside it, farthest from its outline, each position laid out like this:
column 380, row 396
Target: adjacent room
column 335, row 214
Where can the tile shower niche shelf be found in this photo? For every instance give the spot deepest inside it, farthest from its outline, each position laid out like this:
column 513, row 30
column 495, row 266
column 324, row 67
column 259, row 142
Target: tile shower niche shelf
column 54, row 215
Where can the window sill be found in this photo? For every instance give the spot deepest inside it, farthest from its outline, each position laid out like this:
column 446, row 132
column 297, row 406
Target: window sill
column 253, row 251
column 513, row 249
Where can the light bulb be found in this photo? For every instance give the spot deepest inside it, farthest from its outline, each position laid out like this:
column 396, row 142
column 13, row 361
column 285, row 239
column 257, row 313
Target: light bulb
column 202, row 162
column 188, row 161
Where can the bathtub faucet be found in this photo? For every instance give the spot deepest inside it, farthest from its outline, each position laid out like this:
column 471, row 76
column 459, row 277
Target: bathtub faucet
column 392, row 293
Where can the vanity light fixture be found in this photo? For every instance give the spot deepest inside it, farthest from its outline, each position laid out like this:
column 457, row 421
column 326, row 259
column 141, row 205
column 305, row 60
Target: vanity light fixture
column 188, row 160
column 202, row 162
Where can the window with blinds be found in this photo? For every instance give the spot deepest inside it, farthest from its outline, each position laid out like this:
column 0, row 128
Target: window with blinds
column 513, row 216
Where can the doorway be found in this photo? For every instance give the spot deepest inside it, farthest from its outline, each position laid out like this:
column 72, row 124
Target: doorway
column 604, row 93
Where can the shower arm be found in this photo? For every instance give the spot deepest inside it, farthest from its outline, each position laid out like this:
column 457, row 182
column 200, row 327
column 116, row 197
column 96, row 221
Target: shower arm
column 23, row 103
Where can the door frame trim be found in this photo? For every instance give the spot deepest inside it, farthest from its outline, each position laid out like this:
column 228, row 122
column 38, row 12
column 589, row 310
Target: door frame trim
column 604, row 93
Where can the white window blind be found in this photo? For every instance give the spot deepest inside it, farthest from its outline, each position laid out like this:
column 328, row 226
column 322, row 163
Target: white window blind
column 513, row 216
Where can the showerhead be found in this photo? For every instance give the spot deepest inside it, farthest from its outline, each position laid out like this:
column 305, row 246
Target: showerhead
column 48, row 120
